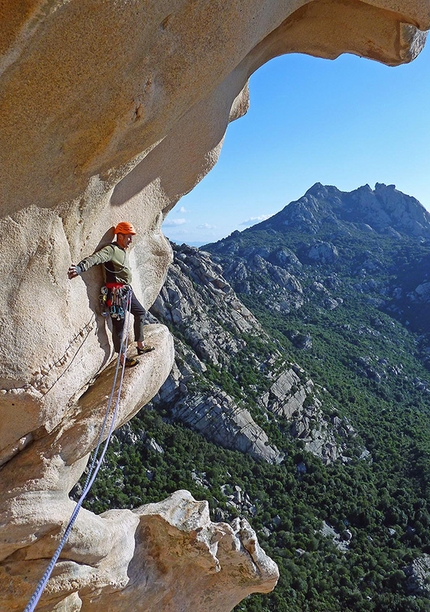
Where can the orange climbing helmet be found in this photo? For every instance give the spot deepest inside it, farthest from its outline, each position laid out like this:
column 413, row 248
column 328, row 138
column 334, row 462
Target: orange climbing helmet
column 125, row 228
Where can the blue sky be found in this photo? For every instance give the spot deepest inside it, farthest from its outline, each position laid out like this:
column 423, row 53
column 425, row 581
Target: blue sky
column 345, row 122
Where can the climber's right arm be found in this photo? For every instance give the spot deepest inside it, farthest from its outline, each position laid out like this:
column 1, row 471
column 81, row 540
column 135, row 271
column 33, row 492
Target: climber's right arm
column 105, row 254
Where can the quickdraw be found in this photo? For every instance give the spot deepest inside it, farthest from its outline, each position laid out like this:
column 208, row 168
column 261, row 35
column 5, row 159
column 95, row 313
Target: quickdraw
column 103, row 299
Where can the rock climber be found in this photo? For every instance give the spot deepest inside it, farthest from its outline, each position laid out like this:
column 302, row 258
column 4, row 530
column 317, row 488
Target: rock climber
column 114, row 258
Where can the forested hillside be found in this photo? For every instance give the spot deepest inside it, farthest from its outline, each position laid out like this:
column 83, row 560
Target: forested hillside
column 300, row 398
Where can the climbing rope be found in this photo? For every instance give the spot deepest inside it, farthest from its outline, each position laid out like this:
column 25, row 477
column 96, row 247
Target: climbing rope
column 94, row 467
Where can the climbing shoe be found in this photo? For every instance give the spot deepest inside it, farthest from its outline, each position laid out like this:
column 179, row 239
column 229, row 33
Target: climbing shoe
column 130, row 362
column 145, row 349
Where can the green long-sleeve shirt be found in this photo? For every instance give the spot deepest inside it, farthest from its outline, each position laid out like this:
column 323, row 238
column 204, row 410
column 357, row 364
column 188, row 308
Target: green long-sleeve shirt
column 116, row 265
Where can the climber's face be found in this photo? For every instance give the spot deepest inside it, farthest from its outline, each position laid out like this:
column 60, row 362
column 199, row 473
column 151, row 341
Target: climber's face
column 124, row 240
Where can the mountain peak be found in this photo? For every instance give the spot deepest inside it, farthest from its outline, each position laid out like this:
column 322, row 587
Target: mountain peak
column 384, row 209
column 315, row 188
column 321, row 191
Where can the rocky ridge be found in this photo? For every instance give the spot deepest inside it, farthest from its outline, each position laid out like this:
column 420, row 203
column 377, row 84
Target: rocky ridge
column 215, row 335
column 384, row 210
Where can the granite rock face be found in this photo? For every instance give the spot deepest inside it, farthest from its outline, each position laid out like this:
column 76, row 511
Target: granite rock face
column 215, row 331
column 167, row 556
column 198, row 302
column 113, row 111
column 418, row 573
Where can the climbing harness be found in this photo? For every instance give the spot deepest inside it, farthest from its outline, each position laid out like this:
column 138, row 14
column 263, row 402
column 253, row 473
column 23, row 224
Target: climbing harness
column 94, row 467
column 113, row 298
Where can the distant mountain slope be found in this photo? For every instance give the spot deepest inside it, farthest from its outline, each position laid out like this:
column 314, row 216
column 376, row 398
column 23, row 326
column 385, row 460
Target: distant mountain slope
column 368, row 243
column 228, row 372
column 384, row 210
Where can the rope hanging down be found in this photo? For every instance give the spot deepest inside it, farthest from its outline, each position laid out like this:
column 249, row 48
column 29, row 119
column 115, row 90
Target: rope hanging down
column 94, row 468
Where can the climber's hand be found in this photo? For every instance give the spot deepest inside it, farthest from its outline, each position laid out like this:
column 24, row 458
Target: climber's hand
column 72, row 272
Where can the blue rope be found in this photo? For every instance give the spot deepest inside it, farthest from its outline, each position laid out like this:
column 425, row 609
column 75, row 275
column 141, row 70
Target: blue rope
column 94, row 468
